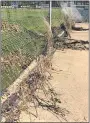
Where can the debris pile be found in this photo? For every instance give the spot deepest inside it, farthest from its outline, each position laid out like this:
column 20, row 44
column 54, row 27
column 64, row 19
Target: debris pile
column 70, row 44
column 35, row 92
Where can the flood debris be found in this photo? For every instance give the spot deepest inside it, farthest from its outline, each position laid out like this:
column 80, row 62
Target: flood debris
column 36, row 90
column 10, row 111
column 39, row 91
column 71, row 44
column 65, row 29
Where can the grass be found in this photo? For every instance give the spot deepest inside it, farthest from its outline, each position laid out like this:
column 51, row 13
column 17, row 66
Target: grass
column 30, row 45
column 32, row 19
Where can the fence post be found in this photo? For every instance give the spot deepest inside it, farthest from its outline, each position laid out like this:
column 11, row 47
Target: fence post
column 50, row 11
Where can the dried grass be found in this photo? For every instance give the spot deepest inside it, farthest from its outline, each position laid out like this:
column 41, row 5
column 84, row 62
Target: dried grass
column 16, row 58
column 5, row 26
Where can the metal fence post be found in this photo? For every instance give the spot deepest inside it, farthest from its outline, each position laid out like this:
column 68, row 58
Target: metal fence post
column 50, row 11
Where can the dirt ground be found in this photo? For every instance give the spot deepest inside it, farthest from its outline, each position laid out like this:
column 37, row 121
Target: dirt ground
column 70, row 80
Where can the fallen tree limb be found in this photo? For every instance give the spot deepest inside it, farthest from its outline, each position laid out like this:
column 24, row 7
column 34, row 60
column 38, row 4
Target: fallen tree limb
column 14, row 88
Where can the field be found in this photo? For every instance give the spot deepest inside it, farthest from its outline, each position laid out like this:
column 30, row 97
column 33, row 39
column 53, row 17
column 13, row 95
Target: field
column 20, row 42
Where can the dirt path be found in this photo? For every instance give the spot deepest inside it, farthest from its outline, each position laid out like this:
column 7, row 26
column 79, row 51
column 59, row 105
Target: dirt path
column 70, row 80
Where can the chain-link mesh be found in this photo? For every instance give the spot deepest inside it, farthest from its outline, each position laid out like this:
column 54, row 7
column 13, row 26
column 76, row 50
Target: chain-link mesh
column 57, row 14
column 23, row 37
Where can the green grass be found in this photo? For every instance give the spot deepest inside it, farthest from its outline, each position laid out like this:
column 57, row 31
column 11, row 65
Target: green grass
column 57, row 17
column 32, row 19
column 31, row 46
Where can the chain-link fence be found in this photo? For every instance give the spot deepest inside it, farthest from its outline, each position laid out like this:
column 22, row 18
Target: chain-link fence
column 24, row 34
column 23, row 39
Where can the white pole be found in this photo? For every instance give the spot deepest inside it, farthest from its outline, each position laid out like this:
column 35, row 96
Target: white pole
column 50, row 11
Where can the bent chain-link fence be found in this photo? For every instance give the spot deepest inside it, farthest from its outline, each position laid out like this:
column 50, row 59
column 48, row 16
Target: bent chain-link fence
column 23, row 37
column 23, row 33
